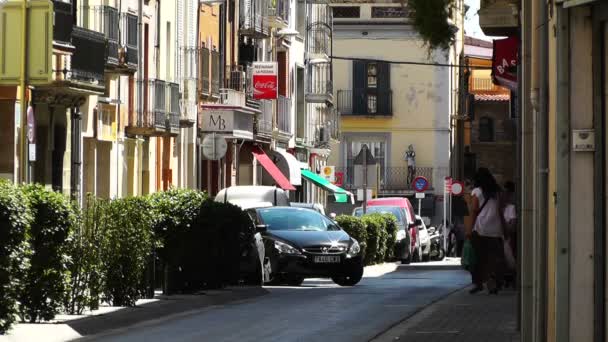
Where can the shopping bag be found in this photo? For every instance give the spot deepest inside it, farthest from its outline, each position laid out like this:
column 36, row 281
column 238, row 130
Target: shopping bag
column 468, row 255
column 509, row 257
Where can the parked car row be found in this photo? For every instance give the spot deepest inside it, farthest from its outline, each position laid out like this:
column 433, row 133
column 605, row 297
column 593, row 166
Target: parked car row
column 293, row 241
column 414, row 241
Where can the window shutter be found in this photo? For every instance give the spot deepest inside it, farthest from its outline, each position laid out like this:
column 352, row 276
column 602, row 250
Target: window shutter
column 283, row 73
column 384, row 89
column 359, row 85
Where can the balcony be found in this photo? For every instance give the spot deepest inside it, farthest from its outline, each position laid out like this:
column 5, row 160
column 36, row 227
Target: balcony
column 63, row 22
column 278, row 13
column 151, row 119
column 263, row 124
column 104, row 19
column 254, row 18
column 320, row 85
column 393, row 180
column 284, row 115
column 499, row 17
column 187, row 104
column 365, row 102
column 173, row 116
column 215, row 73
column 89, row 59
column 205, row 70
column 319, row 34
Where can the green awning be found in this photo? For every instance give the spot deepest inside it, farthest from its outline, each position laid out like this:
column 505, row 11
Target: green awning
column 340, row 194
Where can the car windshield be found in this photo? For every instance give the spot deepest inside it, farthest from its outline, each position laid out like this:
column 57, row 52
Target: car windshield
column 381, row 210
column 295, row 219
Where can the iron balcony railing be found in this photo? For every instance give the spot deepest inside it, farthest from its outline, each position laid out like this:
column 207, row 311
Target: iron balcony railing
column 158, row 100
column 215, row 73
column 89, row 58
column 235, row 78
column 390, row 179
column 205, row 71
column 263, row 124
column 320, row 84
column 319, row 30
column 104, row 19
column 254, row 18
column 365, row 102
column 284, row 114
column 63, row 22
column 173, row 98
column 188, row 101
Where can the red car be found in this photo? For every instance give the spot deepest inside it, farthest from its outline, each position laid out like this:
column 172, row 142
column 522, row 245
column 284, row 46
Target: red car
column 404, row 203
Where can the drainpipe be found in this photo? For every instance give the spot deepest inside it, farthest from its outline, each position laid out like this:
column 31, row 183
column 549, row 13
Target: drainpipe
column 76, row 118
column 562, row 195
column 140, row 63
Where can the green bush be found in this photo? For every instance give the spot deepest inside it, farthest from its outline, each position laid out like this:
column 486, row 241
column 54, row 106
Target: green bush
column 376, row 239
column 43, row 287
column 125, row 249
column 355, row 228
column 84, row 287
column 391, row 230
column 175, row 214
column 221, row 231
column 15, row 220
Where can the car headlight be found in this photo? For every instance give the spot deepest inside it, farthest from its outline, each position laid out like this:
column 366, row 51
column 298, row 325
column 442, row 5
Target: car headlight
column 401, row 234
column 354, row 249
column 285, row 248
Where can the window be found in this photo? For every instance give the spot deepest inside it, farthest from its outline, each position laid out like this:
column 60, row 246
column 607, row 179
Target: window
column 283, row 63
column 376, row 146
column 389, row 12
column 205, row 70
column 486, row 129
column 301, row 17
column 371, row 88
column 347, row 12
column 131, row 30
column 372, row 75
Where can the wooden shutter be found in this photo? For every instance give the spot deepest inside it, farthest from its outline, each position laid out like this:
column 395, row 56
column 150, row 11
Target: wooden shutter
column 384, row 89
column 359, row 87
column 283, row 76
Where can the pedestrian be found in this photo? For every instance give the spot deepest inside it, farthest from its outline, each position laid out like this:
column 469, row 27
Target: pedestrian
column 487, row 232
column 510, row 221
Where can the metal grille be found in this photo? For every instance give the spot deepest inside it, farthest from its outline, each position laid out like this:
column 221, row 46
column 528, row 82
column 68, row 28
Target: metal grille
column 390, row 12
column 329, row 249
column 347, row 11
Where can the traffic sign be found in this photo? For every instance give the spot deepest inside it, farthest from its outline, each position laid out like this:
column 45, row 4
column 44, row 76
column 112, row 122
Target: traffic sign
column 420, row 184
column 457, row 188
column 448, row 185
column 214, row 146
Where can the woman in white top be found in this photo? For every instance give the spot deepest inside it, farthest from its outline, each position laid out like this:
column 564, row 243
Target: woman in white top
column 487, row 234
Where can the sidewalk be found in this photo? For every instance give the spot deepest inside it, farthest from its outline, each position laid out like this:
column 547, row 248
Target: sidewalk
column 461, row 317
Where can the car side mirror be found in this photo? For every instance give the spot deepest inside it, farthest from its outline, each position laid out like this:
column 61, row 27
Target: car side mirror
column 261, row 228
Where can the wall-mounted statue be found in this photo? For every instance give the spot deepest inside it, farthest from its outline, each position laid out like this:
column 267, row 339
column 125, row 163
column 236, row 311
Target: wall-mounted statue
column 410, row 158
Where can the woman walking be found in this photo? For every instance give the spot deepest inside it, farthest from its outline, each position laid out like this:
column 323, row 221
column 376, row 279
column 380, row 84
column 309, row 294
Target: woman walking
column 487, row 232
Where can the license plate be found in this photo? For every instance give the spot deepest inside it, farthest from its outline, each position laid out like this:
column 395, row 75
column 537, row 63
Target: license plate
column 327, row 259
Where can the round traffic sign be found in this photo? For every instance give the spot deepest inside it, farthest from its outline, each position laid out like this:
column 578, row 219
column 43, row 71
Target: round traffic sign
column 420, row 184
column 457, row 188
column 214, row 146
column 31, row 125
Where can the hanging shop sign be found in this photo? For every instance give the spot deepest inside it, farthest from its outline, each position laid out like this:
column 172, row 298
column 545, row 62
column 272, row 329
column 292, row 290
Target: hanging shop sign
column 504, row 62
column 265, row 80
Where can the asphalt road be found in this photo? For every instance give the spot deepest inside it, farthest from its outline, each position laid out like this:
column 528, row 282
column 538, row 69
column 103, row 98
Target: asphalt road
column 317, row 311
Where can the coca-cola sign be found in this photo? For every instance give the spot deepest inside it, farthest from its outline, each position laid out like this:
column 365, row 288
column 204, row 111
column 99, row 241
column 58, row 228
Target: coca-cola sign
column 265, row 81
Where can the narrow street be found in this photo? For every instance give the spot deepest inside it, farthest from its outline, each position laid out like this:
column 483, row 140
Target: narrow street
column 317, row 310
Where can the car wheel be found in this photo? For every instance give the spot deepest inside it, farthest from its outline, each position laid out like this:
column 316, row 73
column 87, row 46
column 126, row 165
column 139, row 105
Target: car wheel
column 351, row 279
column 294, row 280
column 426, row 257
column 255, row 278
column 441, row 254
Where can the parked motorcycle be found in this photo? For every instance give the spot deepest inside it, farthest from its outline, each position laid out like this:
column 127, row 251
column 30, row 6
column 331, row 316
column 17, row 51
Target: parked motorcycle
column 437, row 246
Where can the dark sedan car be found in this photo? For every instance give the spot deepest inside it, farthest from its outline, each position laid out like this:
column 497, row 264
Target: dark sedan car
column 301, row 243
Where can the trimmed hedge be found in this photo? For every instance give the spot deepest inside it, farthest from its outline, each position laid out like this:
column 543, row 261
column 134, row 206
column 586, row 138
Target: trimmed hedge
column 376, row 233
column 44, row 282
column 125, row 249
column 15, row 220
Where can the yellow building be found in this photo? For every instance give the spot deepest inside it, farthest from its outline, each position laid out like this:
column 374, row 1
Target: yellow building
column 390, row 106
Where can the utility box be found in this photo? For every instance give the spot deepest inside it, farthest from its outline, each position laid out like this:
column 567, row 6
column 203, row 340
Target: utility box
column 39, row 40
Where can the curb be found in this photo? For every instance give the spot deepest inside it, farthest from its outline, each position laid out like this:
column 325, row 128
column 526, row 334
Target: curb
column 432, row 267
column 168, row 308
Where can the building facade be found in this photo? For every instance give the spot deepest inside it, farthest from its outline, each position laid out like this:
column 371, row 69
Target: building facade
column 562, row 83
column 388, row 105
